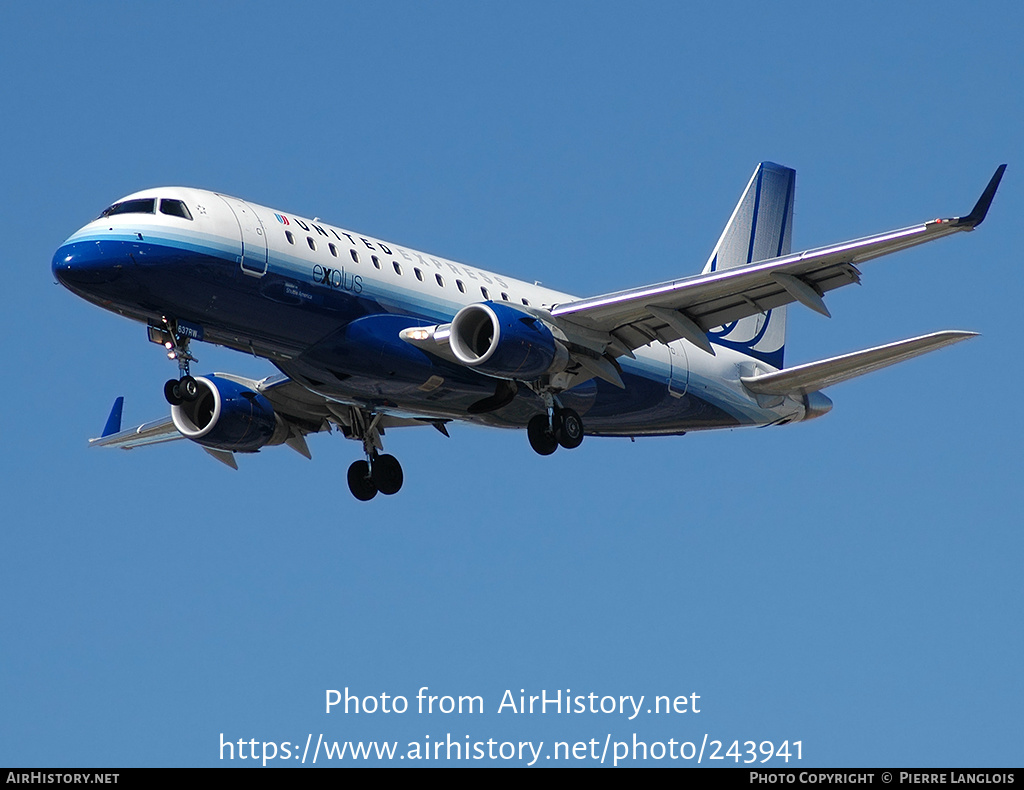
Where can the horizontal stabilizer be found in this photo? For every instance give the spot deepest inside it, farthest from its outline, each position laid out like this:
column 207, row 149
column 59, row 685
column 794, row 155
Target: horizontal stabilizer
column 818, row 375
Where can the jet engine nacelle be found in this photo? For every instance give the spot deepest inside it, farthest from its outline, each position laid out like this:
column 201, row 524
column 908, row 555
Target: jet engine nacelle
column 228, row 416
column 503, row 341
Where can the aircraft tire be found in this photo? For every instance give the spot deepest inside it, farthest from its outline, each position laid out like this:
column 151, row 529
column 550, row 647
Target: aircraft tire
column 570, row 429
column 541, row 439
column 359, row 482
column 171, row 393
column 386, row 474
column 188, row 388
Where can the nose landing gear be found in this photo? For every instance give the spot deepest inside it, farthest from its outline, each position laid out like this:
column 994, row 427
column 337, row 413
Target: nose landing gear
column 184, row 388
column 178, row 391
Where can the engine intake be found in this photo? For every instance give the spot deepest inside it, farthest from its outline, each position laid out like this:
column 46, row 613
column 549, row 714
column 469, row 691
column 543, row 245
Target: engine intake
column 505, row 342
column 228, row 416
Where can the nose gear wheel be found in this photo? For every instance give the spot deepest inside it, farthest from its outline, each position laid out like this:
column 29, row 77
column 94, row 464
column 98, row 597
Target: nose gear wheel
column 184, row 388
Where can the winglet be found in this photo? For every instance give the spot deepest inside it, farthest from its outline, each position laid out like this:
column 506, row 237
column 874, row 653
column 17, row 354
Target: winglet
column 114, row 420
column 977, row 215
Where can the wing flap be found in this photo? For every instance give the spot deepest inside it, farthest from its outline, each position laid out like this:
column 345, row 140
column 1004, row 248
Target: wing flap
column 814, row 376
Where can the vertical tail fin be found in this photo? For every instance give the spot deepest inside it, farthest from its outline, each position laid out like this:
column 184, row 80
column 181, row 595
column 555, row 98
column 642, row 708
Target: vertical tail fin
column 761, row 227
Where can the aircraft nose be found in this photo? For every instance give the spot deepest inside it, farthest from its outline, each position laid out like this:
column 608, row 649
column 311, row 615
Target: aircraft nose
column 83, row 264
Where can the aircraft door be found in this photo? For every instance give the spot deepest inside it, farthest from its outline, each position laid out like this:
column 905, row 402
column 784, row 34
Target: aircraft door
column 254, row 238
column 679, row 377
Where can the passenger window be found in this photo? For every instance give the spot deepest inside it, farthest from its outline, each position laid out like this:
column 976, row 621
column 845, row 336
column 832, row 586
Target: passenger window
column 355, row 256
column 311, row 243
column 333, row 249
column 440, row 280
column 140, row 206
column 175, row 208
column 288, row 235
column 484, row 292
column 398, row 269
column 461, row 285
column 419, row 275
column 376, row 261
column 526, row 303
column 504, row 296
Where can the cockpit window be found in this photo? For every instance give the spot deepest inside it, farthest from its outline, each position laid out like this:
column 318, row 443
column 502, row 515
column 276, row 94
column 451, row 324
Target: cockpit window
column 141, row 206
column 175, row 208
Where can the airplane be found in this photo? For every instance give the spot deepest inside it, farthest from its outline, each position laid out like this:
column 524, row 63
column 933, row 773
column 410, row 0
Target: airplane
column 369, row 335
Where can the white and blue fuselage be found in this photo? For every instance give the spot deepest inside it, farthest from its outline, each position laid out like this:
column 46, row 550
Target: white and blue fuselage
column 326, row 306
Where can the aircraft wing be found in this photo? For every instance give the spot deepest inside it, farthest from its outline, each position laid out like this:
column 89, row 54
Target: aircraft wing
column 689, row 307
column 153, row 432
column 303, row 411
column 301, row 408
column 312, row 412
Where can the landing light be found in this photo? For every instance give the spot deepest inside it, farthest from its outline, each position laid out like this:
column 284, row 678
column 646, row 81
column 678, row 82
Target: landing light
column 419, row 334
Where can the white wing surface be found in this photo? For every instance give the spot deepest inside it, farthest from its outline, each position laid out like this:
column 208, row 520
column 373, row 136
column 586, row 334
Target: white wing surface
column 689, row 307
column 303, row 412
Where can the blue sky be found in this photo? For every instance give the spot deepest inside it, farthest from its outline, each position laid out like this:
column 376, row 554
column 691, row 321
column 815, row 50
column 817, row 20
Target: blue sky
column 853, row 583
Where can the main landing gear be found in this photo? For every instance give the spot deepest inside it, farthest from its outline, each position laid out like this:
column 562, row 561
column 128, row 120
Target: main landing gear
column 558, row 427
column 379, row 472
